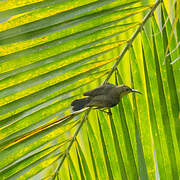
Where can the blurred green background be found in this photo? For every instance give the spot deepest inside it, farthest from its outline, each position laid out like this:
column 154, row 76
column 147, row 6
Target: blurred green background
column 52, row 51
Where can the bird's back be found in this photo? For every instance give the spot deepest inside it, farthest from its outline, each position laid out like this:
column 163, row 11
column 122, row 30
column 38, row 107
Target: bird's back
column 101, row 90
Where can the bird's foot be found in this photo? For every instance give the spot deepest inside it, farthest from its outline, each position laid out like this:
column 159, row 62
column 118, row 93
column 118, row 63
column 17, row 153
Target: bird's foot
column 108, row 112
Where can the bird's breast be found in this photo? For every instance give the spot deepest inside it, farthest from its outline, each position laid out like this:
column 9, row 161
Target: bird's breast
column 113, row 101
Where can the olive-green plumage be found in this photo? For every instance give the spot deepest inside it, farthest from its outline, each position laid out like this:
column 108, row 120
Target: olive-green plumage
column 105, row 96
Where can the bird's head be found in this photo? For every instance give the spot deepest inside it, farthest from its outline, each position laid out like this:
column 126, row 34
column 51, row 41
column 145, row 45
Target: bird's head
column 124, row 90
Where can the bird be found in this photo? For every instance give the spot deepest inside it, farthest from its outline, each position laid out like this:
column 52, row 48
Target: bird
column 105, row 96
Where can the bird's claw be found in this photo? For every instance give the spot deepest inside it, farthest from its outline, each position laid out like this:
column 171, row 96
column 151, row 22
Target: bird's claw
column 108, row 112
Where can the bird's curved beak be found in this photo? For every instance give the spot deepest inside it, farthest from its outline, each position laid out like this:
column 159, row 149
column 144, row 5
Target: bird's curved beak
column 133, row 90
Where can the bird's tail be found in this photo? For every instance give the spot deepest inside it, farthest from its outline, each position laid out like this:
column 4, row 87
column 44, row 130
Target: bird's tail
column 79, row 103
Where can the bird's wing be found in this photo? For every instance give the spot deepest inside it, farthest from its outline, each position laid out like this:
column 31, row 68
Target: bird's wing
column 102, row 101
column 101, row 90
